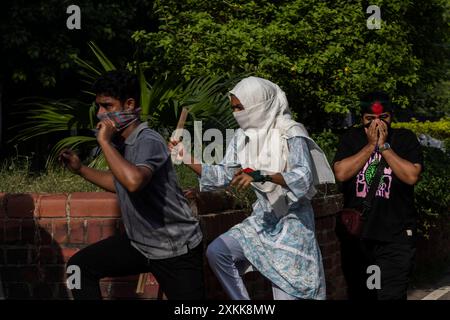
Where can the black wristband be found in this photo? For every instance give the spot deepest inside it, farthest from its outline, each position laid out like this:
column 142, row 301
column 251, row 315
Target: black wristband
column 258, row 177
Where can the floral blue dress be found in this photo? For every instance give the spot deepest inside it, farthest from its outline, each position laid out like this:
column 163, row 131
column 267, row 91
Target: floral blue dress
column 284, row 250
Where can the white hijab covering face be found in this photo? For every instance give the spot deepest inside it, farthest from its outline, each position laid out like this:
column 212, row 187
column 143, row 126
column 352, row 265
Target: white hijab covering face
column 265, row 120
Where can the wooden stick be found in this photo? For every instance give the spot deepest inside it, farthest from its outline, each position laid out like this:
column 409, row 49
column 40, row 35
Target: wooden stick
column 180, row 124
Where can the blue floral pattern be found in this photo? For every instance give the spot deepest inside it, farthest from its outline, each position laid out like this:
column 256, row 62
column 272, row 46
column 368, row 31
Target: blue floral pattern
column 284, row 250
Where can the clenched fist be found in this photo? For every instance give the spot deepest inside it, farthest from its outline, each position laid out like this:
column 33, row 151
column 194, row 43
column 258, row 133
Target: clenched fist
column 70, row 160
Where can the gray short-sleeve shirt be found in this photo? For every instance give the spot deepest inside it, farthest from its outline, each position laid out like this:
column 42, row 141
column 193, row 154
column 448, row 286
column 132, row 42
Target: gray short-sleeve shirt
column 157, row 218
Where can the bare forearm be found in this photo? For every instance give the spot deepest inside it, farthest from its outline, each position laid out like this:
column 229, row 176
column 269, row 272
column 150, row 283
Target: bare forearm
column 278, row 179
column 403, row 169
column 349, row 167
column 103, row 179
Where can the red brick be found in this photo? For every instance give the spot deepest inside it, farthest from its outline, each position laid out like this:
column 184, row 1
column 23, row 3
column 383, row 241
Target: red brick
column 28, row 231
column 131, row 279
column 215, row 224
column 45, row 255
column 321, row 237
column 2, row 231
column 327, row 206
column 109, row 228
column 152, row 291
column 60, row 231
column 340, row 281
column 123, row 290
column 52, row 205
column 151, row 280
column 331, row 236
column 331, row 272
column 94, row 230
column 330, row 288
column 99, row 229
column 28, row 274
column 329, row 249
column 45, row 231
column 2, row 257
column 21, row 205
column 12, row 231
column 105, row 289
column 61, row 291
column 18, row 291
column 94, row 204
column 325, row 224
column 17, row 256
column 211, row 202
column 340, row 294
column 76, row 232
column 2, row 205
column 43, row 291
column 55, row 273
column 327, row 263
column 121, row 227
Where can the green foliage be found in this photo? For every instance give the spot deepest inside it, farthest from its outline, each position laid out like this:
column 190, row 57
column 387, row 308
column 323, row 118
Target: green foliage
column 432, row 195
column 436, row 129
column 186, row 177
column 320, row 52
column 35, row 43
column 328, row 142
column 161, row 101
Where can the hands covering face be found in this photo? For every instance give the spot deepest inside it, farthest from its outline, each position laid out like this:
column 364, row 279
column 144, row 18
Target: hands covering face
column 377, row 132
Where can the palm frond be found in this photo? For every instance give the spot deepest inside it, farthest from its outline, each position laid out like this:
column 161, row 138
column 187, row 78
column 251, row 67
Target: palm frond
column 145, row 94
column 101, row 57
column 99, row 162
column 46, row 116
column 161, row 102
column 73, row 143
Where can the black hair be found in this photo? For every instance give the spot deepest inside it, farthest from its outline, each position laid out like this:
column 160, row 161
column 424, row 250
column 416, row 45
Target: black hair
column 374, row 96
column 367, row 99
column 119, row 84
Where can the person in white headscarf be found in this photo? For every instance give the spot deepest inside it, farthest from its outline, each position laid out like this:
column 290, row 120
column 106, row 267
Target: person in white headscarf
column 276, row 157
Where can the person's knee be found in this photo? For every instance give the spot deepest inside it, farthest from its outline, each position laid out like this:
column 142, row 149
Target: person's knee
column 216, row 252
column 211, row 253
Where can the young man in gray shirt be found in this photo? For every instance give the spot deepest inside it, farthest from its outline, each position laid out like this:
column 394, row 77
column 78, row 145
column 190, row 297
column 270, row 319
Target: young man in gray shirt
column 162, row 236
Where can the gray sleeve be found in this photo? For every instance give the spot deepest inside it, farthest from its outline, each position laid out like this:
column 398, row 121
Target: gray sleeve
column 151, row 153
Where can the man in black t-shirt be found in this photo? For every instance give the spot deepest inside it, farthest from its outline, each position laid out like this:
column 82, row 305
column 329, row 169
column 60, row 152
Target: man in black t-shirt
column 388, row 234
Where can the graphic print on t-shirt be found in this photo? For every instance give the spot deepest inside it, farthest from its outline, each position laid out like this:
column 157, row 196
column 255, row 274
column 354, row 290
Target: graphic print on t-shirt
column 366, row 175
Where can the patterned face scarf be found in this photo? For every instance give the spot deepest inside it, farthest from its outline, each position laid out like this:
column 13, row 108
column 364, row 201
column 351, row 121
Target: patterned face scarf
column 121, row 119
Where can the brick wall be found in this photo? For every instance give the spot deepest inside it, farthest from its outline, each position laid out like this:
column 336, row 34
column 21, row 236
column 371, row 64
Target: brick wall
column 40, row 232
column 434, row 250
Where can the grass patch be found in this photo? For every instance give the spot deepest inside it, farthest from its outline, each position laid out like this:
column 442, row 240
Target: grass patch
column 186, row 177
column 17, row 177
